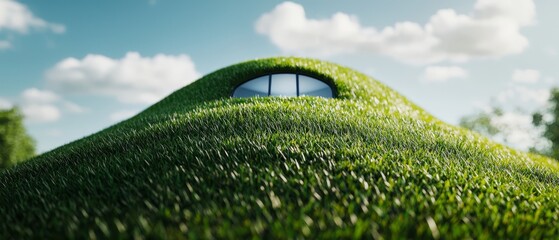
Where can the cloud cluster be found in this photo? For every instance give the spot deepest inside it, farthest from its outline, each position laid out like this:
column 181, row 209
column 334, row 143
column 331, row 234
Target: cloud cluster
column 518, row 131
column 492, row 30
column 36, row 95
column 526, row 76
column 443, row 73
column 16, row 17
column 39, row 105
column 519, row 95
column 521, row 91
column 131, row 79
column 517, row 101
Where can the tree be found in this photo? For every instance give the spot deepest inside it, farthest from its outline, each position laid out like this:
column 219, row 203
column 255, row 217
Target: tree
column 15, row 144
column 550, row 123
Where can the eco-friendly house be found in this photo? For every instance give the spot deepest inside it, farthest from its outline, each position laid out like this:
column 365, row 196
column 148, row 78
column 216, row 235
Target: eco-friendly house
column 225, row 157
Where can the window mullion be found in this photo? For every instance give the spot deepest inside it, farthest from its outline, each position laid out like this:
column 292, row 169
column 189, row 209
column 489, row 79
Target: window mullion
column 297, row 83
column 269, row 84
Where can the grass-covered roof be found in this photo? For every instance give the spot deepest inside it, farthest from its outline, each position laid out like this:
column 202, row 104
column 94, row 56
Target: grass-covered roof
column 367, row 164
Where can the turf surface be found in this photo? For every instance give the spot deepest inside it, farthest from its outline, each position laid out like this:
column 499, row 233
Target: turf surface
column 199, row 164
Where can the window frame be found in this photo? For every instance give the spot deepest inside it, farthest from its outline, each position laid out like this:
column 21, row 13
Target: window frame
column 269, row 75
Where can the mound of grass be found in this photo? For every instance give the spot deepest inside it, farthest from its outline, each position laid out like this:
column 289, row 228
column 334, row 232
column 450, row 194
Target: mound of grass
column 199, row 164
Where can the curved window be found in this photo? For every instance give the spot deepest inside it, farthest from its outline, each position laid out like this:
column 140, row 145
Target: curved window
column 286, row 85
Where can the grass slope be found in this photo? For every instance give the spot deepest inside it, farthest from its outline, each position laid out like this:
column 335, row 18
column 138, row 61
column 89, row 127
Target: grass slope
column 201, row 164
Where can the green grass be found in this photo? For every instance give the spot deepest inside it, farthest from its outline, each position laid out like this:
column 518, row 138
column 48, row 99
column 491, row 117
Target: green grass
column 199, row 164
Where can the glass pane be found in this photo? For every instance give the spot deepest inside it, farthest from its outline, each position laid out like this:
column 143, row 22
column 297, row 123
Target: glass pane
column 253, row 88
column 284, row 85
column 311, row 87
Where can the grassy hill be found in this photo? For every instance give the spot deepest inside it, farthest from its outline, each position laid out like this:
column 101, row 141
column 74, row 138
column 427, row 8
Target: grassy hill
column 368, row 164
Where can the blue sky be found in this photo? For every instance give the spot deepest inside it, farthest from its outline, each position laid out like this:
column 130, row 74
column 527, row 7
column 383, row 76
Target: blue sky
column 76, row 67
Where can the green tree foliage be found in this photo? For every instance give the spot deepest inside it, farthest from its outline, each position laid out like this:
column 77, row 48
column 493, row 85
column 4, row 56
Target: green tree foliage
column 15, row 144
column 550, row 124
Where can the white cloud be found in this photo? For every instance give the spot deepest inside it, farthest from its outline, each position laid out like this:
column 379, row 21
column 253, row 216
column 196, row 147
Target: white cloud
column 15, row 16
column 40, row 112
column 522, row 11
column 516, row 101
column 131, row 79
column 492, row 30
column 526, row 76
column 35, row 95
column 518, row 131
column 515, row 125
column 520, row 95
column 443, row 73
column 40, row 106
column 5, row 104
column 121, row 115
